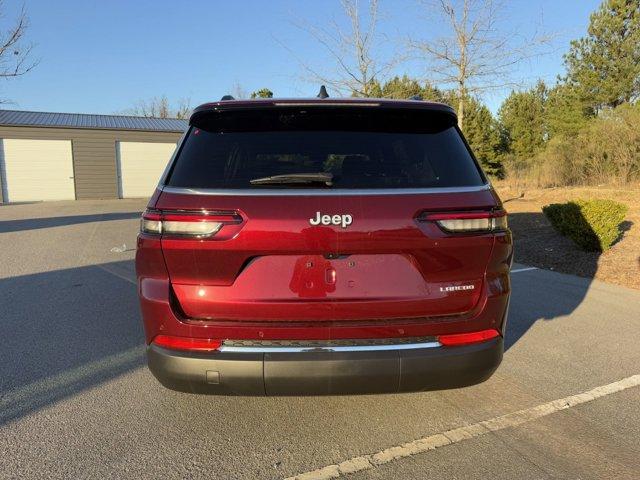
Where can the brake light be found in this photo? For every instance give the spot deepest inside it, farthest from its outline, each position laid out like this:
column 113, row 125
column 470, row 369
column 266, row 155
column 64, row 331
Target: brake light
column 468, row 222
column 457, row 339
column 151, row 223
column 185, row 343
column 200, row 224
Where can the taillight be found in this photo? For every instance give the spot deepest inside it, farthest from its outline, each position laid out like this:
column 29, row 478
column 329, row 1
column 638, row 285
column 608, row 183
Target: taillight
column 457, row 339
column 468, row 222
column 200, row 224
column 151, row 223
column 186, row 343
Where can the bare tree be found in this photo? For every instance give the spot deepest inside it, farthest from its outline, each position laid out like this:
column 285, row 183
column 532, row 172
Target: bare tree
column 238, row 91
column 476, row 55
column 351, row 49
column 159, row 107
column 15, row 55
column 183, row 108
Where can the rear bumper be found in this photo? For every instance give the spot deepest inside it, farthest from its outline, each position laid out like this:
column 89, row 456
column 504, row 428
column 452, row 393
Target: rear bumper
column 326, row 373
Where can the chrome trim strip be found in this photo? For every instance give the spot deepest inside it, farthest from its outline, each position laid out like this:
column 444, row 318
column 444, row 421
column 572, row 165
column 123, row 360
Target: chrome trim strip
column 348, row 348
column 312, row 192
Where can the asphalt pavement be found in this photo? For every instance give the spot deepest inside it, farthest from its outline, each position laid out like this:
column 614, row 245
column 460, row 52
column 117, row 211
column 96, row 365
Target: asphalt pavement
column 77, row 401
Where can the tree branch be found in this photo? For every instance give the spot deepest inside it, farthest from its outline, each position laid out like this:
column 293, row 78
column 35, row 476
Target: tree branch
column 14, row 58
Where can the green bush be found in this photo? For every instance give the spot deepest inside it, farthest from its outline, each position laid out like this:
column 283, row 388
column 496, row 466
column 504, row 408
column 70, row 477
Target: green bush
column 594, row 225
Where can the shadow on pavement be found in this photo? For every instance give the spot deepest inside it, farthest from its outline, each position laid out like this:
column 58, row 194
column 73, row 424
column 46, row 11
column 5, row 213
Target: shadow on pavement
column 48, row 222
column 542, row 294
column 63, row 332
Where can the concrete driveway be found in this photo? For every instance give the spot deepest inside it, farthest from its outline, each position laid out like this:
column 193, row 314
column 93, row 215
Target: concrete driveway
column 76, row 399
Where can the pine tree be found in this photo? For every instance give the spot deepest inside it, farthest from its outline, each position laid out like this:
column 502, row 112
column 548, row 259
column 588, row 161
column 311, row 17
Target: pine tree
column 432, row 94
column 401, row 87
column 604, row 66
column 482, row 133
column 565, row 112
column 262, row 93
column 404, row 88
column 522, row 121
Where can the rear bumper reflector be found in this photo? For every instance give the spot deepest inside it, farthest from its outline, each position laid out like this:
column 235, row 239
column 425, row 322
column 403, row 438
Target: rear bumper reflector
column 187, row 344
column 457, row 339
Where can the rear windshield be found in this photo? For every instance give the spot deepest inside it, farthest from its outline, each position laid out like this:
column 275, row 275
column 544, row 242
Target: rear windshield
column 360, row 150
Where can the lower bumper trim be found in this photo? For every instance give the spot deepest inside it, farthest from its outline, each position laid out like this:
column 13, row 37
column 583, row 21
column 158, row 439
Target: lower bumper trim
column 326, row 372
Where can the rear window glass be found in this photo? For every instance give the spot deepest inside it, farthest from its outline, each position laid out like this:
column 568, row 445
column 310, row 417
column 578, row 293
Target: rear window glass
column 359, row 151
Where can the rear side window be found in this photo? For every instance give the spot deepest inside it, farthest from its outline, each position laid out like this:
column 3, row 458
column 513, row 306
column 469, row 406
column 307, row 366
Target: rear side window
column 360, row 149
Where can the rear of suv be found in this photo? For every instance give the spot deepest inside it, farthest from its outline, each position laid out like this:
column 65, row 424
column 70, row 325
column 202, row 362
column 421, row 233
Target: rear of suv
column 323, row 246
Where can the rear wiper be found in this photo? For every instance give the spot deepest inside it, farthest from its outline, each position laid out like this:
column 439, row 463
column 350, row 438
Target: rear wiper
column 295, row 178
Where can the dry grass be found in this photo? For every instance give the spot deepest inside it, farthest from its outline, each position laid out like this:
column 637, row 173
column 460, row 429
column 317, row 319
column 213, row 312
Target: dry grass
column 537, row 243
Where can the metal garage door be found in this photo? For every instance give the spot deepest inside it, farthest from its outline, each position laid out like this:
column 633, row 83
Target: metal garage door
column 140, row 165
column 36, row 170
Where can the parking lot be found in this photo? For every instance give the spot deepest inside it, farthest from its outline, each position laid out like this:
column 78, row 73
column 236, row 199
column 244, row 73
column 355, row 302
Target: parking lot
column 77, row 401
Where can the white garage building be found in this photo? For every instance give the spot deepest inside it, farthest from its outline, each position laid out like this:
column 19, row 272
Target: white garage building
column 63, row 156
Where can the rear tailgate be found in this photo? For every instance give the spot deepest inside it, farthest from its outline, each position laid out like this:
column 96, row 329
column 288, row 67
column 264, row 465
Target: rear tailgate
column 276, row 265
column 387, row 165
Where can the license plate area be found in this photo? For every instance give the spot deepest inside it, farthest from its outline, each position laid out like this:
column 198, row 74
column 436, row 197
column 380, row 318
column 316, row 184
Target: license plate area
column 347, row 277
column 312, row 287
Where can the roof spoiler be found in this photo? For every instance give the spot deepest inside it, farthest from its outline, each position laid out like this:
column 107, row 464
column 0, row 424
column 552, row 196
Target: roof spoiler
column 267, row 104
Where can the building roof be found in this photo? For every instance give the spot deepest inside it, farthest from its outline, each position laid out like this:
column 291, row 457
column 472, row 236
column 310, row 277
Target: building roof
column 82, row 120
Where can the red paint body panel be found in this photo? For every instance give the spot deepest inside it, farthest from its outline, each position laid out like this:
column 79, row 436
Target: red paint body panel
column 258, row 269
column 269, row 278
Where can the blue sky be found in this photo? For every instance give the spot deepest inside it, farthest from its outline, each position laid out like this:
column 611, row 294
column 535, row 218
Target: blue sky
column 104, row 56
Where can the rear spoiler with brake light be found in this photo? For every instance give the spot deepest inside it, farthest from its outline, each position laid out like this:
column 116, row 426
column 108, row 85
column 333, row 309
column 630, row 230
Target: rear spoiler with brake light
column 265, row 105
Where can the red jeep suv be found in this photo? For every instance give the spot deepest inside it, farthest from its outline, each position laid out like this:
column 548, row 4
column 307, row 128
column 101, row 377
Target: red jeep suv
column 323, row 246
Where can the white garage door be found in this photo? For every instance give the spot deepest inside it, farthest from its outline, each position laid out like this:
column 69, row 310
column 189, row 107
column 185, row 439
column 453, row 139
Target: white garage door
column 140, row 165
column 36, row 170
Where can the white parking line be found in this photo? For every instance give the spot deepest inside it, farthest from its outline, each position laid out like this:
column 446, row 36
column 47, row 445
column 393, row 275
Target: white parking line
column 108, row 269
column 366, row 462
column 518, row 270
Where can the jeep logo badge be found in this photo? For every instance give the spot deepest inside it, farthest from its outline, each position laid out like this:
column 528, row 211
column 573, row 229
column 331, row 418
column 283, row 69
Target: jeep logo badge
column 343, row 220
